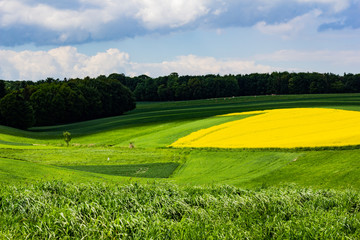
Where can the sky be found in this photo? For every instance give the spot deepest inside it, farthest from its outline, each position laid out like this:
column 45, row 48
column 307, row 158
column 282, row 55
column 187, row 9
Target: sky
column 79, row 38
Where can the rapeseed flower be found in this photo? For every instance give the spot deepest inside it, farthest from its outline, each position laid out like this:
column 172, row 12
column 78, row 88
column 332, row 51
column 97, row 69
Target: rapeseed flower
column 281, row 128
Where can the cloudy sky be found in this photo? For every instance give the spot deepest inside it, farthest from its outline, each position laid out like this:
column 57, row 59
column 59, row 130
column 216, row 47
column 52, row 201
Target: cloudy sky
column 78, row 38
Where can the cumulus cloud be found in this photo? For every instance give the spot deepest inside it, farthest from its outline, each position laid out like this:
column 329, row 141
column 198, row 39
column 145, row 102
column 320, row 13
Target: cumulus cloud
column 89, row 21
column 165, row 13
column 59, row 63
column 79, row 21
column 195, row 65
column 68, row 62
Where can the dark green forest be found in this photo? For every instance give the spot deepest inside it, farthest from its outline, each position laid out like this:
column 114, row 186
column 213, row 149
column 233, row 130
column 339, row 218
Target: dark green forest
column 175, row 87
column 52, row 101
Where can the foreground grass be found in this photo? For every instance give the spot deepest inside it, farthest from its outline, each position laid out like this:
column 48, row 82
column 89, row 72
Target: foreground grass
column 162, row 211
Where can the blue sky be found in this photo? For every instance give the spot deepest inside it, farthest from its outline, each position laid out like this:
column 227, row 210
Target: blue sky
column 78, row 38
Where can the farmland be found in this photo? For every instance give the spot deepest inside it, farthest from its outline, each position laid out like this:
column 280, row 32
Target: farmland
column 281, row 128
column 153, row 127
column 38, row 167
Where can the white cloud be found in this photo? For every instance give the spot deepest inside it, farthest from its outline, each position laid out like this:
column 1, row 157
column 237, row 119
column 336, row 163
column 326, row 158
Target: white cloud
column 59, row 63
column 153, row 13
column 293, row 27
column 97, row 19
column 174, row 13
column 195, row 65
column 94, row 20
column 68, row 62
column 15, row 12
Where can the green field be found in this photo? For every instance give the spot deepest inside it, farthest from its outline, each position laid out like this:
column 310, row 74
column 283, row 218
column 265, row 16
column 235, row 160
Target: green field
column 153, row 126
column 150, row 170
column 99, row 153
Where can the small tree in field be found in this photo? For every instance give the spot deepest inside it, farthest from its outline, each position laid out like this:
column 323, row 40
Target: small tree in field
column 67, row 137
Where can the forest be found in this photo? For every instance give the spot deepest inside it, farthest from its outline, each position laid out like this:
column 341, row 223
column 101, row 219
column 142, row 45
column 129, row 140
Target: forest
column 54, row 102
column 51, row 101
column 175, row 87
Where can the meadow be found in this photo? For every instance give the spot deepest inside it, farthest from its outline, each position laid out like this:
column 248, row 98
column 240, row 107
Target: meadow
column 209, row 192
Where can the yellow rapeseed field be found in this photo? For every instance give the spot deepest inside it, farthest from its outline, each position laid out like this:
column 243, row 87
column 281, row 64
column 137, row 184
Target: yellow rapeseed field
column 281, row 128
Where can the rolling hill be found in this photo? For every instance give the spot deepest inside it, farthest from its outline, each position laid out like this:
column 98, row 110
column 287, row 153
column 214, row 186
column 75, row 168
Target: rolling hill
column 41, row 154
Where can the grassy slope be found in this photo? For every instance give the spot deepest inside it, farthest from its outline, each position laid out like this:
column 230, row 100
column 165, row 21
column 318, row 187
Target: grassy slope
column 149, row 170
column 338, row 169
column 323, row 169
column 230, row 167
column 152, row 126
column 17, row 171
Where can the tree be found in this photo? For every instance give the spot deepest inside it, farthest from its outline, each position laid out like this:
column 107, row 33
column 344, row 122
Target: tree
column 163, row 92
column 16, row 111
column 67, row 137
column 337, row 87
column 56, row 103
column 299, row 84
column 196, row 86
column 92, row 105
column 318, row 83
column 2, row 89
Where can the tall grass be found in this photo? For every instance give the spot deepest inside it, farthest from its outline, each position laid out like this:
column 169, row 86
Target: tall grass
column 162, row 211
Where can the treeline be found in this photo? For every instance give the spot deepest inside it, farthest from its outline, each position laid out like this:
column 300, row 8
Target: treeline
column 52, row 102
column 57, row 101
column 175, row 87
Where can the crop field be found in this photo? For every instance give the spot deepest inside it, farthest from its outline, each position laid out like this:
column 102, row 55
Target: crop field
column 240, row 167
column 281, row 128
column 155, row 128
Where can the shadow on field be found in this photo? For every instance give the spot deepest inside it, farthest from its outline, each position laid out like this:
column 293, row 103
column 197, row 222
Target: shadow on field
column 151, row 170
